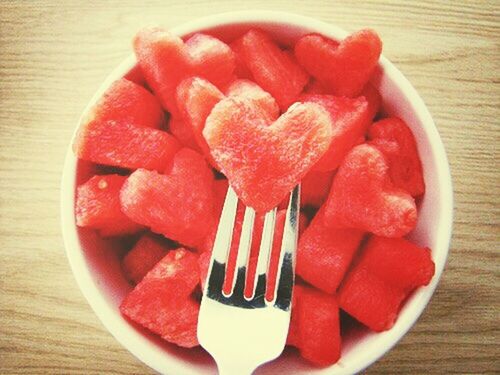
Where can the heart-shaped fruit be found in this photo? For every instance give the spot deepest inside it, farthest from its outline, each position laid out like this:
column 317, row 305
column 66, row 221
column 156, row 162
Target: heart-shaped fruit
column 264, row 162
column 169, row 204
column 362, row 196
column 395, row 139
column 346, row 67
column 166, row 60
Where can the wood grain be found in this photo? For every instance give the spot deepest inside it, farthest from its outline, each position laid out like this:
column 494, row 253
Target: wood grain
column 53, row 55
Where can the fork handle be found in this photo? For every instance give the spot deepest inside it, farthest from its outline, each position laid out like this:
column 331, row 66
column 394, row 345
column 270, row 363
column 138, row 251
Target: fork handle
column 228, row 368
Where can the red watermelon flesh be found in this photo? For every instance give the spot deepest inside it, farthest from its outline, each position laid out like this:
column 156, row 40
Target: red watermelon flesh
column 317, row 317
column 363, row 197
column 349, row 118
column 220, row 189
column 168, row 204
column 98, row 206
column 183, row 133
column 315, row 187
column 272, row 69
column 398, row 262
column 315, row 87
column 241, row 69
column 396, row 141
column 124, row 145
column 162, row 301
column 374, row 100
column 324, row 253
column 157, row 51
column 250, row 90
column 346, row 67
column 371, row 301
column 148, row 251
column 135, row 75
column 195, row 99
column 264, row 162
column 127, row 102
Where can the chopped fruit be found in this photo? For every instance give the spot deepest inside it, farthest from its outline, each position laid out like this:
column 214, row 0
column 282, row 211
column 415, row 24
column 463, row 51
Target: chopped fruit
column 125, row 102
column 317, row 332
column 324, row 253
column 148, row 251
column 158, row 50
column 315, row 188
column 346, row 67
column 264, row 162
column 162, row 301
column 374, row 100
column 241, row 70
column 124, row 145
column 349, row 118
column 273, row 69
column 98, row 206
column 249, row 90
column 396, row 141
column 168, row 204
column 362, row 196
column 183, row 133
column 135, row 75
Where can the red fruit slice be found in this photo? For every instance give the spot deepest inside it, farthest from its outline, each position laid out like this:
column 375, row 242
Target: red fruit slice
column 315, row 87
column 395, row 139
column 315, row 187
column 220, row 190
column 368, row 299
column 349, row 119
column 324, row 253
column 195, row 99
column 272, row 69
column 346, row 67
column 161, row 302
column 135, row 75
column 168, row 204
column 362, row 196
column 98, row 206
column 124, row 145
column 374, row 100
column 212, row 59
column 398, row 262
column 241, row 70
column 183, row 133
column 165, row 61
column 249, row 90
column 264, row 162
column 148, row 251
column 127, row 102
column 318, row 326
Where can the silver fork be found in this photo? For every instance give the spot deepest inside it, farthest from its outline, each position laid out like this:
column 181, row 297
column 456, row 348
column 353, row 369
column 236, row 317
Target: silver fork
column 242, row 333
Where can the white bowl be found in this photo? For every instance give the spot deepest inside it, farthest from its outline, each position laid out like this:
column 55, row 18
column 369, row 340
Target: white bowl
column 95, row 261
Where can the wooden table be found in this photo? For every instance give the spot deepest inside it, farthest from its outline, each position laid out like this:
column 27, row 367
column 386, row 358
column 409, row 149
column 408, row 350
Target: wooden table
column 53, row 56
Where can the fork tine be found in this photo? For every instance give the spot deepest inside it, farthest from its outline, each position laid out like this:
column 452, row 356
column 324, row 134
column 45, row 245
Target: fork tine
column 266, row 243
column 238, row 287
column 222, row 243
column 286, row 265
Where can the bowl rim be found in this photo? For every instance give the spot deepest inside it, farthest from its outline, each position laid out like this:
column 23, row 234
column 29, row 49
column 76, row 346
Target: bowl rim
column 141, row 348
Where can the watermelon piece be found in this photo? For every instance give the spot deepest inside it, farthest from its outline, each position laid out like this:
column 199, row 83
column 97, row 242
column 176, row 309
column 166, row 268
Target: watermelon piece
column 135, row 75
column 324, row 253
column 183, row 133
column 264, row 162
column 315, row 87
column 162, row 301
column 349, row 118
column 317, row 316
column 127, row 102
column 158, row 50
column 315, row 187
column 195, row 99
column 250, row 90
column 398, row 262
column 98, row 206
column 124, row 145
column 272, row 69
column 168, row 204
column 344, row 68
column 362, row 196
column 241, row 69
column 220, row 191
column 395, row 139
column 145, row 254
column 374, row 100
